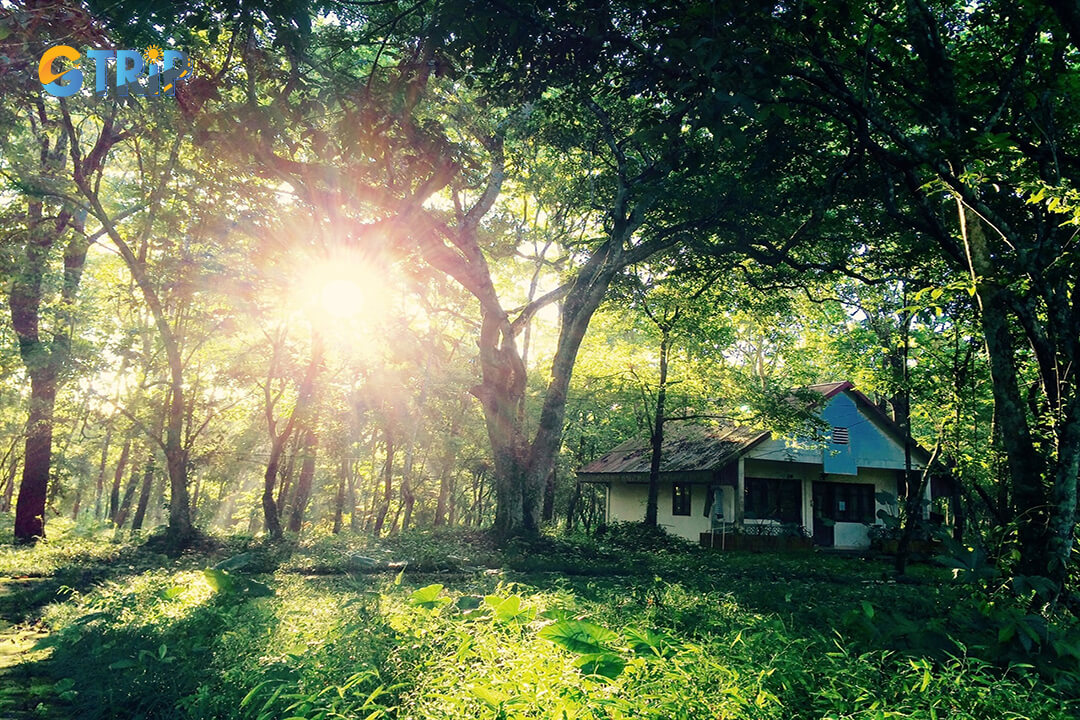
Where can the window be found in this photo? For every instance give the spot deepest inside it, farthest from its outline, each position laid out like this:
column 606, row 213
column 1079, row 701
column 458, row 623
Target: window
column 773, row 499
column 854, row 503
column 840, row 436
column 680, row 499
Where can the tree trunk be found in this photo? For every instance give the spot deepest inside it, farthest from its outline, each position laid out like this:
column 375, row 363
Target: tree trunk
column 271, row 518
column 118, row 479
column 77, row 505
column 272, row 511
column 355, row 520
column 548, row 513
column 901, row 402
column 42, row 363
column 522, row 467
column 157, row 499
column 99, row 487
column 657, row 440
column 310, row 449
column 408, row 500
column 129, row 495
column 339, row 500
column 572, row 506
column 408, row 497
column 286, row 476
column 388, row 490
column 180, row 531
column 9, row 488
column 1063, row 515
column 452, row 505
column 37, row 458
column 442, row 504
column 441, row 507
column 1026, row 468
column 144, row 494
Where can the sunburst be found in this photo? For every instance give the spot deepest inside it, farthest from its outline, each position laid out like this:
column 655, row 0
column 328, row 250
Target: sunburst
column 153, row 54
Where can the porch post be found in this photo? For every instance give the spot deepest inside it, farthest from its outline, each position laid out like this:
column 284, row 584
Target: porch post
column 740, row 495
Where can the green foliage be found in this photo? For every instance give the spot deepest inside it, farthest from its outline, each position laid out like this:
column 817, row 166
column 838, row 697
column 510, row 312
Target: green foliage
column 635, row 536
column 680, row 633
column 428, row 597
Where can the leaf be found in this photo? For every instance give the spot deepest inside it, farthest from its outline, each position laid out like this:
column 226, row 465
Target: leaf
column 509, row 610
column 647, row 642
column 607, row 665
column 468, row 602
column 218, row 580
column 489, row 695
column 254, row 691
column 428, row 597
column 579, row 636
column 868, row 609
column 123, row 664
column 173, row 592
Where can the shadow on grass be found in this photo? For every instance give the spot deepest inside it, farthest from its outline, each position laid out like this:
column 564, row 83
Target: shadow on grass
column 99, row 667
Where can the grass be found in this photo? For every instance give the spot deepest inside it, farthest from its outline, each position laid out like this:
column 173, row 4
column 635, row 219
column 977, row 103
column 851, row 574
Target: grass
column 444, row 625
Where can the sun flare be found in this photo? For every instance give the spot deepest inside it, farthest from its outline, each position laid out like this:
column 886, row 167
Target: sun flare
column 342, row 298
column 342, row 290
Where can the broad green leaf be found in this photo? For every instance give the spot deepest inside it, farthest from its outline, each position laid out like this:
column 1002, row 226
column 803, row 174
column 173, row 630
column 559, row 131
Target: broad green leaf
column 647, row 642
column 608, row 665
column 173, row 592
column 468, row 602
column 579, row 636
column 221, row 581
column 510, row 610
column 218, row 580
column 427, row 597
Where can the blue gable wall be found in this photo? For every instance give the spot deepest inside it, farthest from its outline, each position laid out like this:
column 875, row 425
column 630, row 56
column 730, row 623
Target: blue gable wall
column 869, row 445
column 842, row 412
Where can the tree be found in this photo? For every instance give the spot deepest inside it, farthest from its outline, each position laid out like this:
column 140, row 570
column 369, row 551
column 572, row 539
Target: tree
column 967, row 129
column 673, row 304
column 42, row 161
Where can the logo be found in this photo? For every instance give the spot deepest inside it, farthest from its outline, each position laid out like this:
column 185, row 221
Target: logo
column 151, row 73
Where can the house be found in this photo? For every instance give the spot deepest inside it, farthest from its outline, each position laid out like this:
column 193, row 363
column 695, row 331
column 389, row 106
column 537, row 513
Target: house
column 718, row 480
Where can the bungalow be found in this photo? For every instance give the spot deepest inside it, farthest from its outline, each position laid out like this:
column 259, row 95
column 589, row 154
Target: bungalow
column 737, row 479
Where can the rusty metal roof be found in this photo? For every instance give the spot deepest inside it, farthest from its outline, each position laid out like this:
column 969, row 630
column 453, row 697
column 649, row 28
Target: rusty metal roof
column 831, row 388
column 686, row 448
column 697, row 448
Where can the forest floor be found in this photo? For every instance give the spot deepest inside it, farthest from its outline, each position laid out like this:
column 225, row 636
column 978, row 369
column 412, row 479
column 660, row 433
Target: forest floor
column 446, row 625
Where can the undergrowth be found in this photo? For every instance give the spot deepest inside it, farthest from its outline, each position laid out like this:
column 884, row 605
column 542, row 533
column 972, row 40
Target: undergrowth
column 446, row 625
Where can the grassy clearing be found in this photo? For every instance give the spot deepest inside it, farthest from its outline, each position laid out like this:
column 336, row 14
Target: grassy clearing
column 555, row 629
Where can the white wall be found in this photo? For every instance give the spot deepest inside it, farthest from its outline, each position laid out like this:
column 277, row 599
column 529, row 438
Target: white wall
column 626, row 503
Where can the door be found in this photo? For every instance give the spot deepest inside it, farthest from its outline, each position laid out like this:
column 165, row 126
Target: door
column 824, row 515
